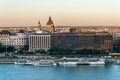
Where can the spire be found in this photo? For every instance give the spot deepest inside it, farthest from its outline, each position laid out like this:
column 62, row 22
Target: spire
column 49, row 18
column 39, row 25
column 39, row 22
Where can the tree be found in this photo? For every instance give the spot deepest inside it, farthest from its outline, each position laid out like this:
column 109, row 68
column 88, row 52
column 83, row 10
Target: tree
column 23, row 51
column 58, row 50
column 10, row 49
column 0, row 45
column 41, row 51
column 68, row 51
column 1, row 50
column 54, row 50
column 31, row 52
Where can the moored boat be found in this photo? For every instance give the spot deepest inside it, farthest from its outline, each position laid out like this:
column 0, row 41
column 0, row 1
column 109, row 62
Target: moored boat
column 69, row 61
column 83, row 63
column 23, row 62
column 97, row 62
column 44, row 63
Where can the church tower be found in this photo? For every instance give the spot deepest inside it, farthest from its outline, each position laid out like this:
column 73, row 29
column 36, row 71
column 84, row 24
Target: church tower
column 39, row 26
column 50, row 25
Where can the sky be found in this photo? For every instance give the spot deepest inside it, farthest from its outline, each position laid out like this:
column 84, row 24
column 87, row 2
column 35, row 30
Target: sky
column 63, row 12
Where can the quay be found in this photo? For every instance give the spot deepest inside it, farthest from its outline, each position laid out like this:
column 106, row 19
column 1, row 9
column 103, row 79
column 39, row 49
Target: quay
column 109, row 58
column 115, row 55
column 8, row 60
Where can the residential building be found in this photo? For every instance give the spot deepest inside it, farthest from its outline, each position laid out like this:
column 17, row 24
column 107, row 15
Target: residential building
column 18, row 40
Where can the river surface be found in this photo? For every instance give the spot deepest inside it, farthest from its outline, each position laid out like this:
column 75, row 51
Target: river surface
column 16, row 72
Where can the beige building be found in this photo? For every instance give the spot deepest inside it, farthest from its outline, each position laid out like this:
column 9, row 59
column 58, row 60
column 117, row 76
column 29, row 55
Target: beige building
column 18, row 40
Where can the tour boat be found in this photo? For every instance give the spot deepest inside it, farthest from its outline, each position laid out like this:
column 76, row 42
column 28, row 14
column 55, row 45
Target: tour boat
column 23, row 62
column 97, row 62
column 83, row 63
column 44, row 63
column 69, row 62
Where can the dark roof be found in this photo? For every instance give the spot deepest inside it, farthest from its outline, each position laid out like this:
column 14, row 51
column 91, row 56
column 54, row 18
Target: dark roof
column 13, row 34
column 21, row 31
column 5, row 32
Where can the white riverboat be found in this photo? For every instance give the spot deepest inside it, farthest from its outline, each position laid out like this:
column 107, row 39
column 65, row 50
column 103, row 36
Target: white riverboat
column 44, row 63
column 24, row 62
column 69, row 62
column 96, row 62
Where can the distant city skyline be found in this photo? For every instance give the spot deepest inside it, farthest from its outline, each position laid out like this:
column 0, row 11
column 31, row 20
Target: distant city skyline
column 63, row 12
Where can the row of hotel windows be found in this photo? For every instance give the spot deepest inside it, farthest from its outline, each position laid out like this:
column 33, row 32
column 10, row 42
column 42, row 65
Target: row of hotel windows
column 39, row 42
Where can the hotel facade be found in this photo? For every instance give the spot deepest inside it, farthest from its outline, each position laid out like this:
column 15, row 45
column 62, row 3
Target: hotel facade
column 77, row 41
column 39, row 41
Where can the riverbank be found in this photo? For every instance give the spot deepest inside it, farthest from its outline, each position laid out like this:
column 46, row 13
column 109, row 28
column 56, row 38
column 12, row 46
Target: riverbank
column 4, row 60
column 8, row 60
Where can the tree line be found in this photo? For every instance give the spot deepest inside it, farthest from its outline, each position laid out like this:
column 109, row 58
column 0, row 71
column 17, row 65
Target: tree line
column 53, row 50
column 58, row 50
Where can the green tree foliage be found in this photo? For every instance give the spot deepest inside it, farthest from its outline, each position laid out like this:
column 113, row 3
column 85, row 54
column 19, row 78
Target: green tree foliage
column 0, row 45
column 90, row 51
column 41, row 51
column 10, row 49
column 2, row 49
column 31, row 52
column 23, row 51
column 57, row 50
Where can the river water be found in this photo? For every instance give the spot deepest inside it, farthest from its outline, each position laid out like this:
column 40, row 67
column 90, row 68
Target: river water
column 83, row 72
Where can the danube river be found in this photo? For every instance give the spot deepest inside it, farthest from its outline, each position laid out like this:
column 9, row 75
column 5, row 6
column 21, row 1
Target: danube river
column 16, row 72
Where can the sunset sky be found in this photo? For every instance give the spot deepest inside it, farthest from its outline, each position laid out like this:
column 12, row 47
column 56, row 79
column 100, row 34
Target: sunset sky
column 63, row 12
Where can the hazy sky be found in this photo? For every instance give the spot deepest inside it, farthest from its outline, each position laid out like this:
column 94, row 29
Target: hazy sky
column 63, row 12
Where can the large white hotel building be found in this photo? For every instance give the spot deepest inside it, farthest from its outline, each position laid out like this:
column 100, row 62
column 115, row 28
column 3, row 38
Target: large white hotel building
column 39, row 40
